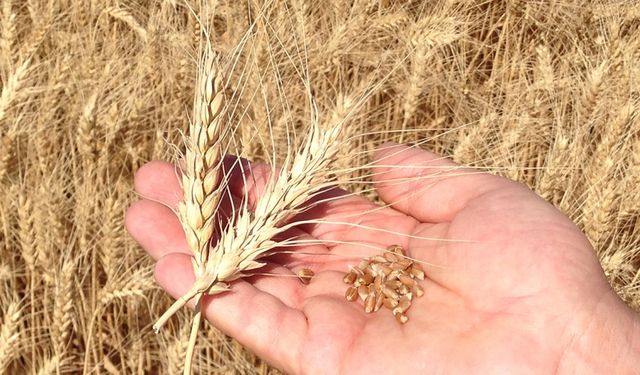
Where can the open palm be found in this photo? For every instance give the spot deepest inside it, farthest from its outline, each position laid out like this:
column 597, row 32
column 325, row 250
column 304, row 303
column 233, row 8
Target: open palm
column 511, row 284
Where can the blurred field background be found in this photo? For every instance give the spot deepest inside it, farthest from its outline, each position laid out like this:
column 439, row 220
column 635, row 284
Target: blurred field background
column 542, row 92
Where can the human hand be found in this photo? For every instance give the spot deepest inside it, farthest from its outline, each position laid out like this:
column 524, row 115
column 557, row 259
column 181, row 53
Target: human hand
column 512, row 285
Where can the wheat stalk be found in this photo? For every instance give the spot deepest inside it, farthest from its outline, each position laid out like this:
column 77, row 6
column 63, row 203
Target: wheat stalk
column 201, row 173
column 203, row 157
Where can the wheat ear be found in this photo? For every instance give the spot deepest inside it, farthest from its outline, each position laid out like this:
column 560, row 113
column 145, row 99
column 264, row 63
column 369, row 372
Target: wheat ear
column 241, row 245
column 201, row 172
column 9, row 334
column 200, row 176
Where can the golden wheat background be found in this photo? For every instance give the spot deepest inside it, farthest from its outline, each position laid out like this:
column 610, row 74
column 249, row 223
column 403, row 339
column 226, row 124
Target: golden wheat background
column 542, row 92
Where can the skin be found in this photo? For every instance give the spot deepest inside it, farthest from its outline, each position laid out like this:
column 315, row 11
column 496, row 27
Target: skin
column 517, row 289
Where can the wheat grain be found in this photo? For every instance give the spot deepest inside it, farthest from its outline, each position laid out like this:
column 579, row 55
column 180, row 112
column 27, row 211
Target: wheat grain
column 305, row 275
column 401, row 318
column 350, row 278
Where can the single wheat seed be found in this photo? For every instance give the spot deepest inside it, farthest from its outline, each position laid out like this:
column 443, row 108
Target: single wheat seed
column 305, row 275
column 401, row 318
column 351, row 294
column 370, row 302
column 350, row 278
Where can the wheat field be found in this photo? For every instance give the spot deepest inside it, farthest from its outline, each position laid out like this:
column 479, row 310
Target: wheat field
column 541, row 92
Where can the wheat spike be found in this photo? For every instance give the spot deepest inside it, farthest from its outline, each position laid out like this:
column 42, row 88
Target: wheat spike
column 9, row 335
column 203, row 157
column 7, row 35
column 135, row 284
column 177, row 350
column 201, row 173
column 128, row 19
column 12, row 86
column 27, row 232
column 6, row 151
column 241, row 245
column 62, row 309
column 50, row 366
column 111, row 243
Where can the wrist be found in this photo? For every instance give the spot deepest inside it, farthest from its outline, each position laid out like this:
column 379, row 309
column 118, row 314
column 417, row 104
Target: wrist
column 607, row 341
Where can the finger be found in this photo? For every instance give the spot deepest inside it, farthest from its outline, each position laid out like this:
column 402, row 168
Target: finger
column 280, row 282
column 159, row 181
column 257, row 319
column 353, row 226
column 298, row 249
column 426, row 186
column 156, row 228
column 334, row 216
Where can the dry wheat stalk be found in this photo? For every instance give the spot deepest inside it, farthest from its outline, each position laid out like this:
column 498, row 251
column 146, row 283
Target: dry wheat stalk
column 200, row 178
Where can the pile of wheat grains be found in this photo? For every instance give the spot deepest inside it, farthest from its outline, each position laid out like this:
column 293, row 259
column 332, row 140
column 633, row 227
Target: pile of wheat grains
column 390, row 280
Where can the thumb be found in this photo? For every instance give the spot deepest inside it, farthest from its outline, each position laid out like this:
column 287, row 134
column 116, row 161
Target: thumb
column 429, row 187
